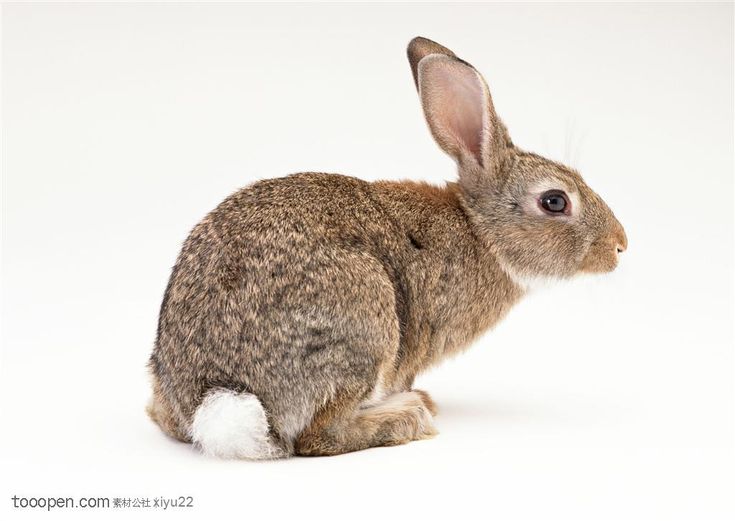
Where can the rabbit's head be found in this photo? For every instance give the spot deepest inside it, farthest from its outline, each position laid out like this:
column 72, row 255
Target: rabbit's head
column 539, row 217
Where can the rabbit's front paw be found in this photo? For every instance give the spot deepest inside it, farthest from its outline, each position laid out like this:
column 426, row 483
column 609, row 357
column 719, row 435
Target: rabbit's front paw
column 428, row 402
column 406, row 418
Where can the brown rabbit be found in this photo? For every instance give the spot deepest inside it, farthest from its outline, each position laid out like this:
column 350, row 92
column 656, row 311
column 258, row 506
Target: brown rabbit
column 301, row 309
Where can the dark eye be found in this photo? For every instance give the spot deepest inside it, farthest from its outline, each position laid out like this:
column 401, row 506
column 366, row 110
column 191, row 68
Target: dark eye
column 554, row 202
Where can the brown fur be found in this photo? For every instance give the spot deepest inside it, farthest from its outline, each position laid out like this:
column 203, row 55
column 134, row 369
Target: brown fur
column 312, row 290
column 162, row 415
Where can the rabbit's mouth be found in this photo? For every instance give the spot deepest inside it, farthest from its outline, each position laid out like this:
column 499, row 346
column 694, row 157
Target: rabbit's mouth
column 603, row 256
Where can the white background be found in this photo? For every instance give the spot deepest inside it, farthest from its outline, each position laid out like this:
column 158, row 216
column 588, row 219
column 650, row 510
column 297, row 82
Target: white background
column 605, row 398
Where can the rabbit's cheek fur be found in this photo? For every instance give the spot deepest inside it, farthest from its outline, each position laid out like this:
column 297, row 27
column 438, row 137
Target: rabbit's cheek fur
column 536, row 247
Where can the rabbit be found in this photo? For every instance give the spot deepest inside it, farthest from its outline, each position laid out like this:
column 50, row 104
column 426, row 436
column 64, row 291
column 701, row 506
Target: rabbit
column 301, row 309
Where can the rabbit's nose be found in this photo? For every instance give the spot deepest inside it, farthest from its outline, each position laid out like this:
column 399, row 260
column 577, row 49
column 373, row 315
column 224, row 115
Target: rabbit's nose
column 621, row 240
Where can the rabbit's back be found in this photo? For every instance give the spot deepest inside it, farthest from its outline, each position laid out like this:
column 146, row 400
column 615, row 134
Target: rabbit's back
column 280, row 292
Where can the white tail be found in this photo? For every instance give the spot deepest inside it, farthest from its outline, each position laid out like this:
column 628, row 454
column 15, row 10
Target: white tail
column 233, row 425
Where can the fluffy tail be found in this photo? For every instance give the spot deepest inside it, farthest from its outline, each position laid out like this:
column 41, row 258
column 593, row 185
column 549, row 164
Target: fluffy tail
column 233, row 425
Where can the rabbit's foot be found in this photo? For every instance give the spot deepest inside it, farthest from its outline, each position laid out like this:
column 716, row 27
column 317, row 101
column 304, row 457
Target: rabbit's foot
column 397, row 419
column 429, row 403
column 400, row 418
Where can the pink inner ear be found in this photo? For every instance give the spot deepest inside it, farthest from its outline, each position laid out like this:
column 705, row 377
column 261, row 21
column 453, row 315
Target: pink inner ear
column 459, row 104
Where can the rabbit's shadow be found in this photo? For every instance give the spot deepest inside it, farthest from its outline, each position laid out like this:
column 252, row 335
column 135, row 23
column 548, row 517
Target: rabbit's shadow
column 497, row 411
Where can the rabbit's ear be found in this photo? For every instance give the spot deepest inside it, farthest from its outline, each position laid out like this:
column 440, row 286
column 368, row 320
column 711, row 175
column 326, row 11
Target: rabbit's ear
column 459, row 109
column 455, row 104
column 418, row 49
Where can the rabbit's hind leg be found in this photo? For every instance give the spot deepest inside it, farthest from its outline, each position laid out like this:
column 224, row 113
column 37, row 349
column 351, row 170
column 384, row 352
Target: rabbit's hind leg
column 344, row 426
column 162, row 413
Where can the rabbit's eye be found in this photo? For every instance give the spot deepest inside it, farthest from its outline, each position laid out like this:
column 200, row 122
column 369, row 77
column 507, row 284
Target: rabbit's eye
column 555, row 202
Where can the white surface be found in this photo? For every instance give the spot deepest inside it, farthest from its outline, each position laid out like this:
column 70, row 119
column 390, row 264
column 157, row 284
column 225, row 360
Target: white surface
column 608, row 398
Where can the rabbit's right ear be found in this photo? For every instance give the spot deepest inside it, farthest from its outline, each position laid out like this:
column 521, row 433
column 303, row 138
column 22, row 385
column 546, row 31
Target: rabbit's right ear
column 458, row 108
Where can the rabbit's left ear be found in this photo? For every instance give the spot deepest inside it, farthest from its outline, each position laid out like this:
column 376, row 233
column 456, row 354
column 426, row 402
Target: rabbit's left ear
column 418, row 49
column 458, row 107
